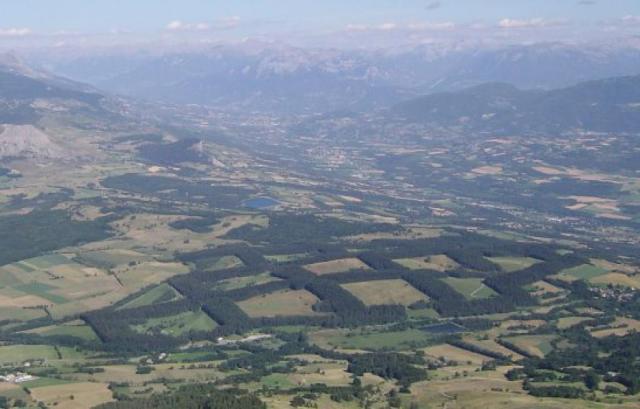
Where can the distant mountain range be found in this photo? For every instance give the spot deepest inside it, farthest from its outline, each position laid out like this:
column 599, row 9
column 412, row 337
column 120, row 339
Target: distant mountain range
column 30, row 98
column 287, row 79
column 27, row 94
column 610, row 105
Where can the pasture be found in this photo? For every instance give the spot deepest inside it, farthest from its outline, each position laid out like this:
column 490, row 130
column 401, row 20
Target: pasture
column 511, row 264
column 582, row 272
column 177, row 325
column 470, row 288
column 536, row 345
column 157, row 294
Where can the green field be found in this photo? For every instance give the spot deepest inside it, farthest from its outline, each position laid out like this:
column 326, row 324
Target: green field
column 81, row 331
column 241, row 282
column 223, row 263
column 41, row 290
column 537, row 345
column 177, row 325
column 45, row 261
column 373, row 341
column 511, row 264
column 584, row 272
column 111, row 258
column 162, row 293
column 471, row 288
column 22, row 353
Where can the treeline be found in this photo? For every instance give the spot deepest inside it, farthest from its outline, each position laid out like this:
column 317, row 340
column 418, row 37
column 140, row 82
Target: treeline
column 449, row 302
column 615, row 359
column 193, row 397
column 29, row 235
column 197, row 224
column 512, row 284
column 115, row 332
column 301, row 228
column 468, row 249
column 389, row 366
column 348, row 309
column 179, row 190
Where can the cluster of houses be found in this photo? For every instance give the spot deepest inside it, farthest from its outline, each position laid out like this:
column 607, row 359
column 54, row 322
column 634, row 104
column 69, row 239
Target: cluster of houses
column 17, row 377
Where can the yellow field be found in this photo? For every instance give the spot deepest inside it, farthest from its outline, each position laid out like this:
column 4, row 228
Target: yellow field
column 487, row 170
column 328, row 374
column 127, row 373
column 568, row 322
column 385, row 292
column 493, row 346
column 452, row 353
column 146, row 273
column 153, row 231
column 73, row 396
column 438, row 262
column 337, row 266
column 324, row 402
column 543, row 287
column 617, row 279
column 622, row 326
column 413, row 233
column 615, row 267
column 536, row 345
column 281, row 303
column 489, row 390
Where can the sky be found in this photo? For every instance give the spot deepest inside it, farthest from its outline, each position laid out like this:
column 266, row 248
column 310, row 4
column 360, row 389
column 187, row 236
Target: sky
column 89, row 21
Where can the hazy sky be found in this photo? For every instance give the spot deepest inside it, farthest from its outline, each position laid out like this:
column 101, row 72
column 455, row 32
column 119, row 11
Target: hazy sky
column 231, row 19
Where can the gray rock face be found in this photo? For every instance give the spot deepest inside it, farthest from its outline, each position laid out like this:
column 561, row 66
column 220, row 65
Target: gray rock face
column 27, row 141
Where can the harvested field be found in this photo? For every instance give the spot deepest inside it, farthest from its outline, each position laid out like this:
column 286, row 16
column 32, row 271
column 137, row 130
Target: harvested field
column 281, row 303
column 617, row 279
column 536, row 345
column 621, row 327
column 73, row 396
column 452, row 353
column 385, row 292
column 337, row 266
column 438, row 262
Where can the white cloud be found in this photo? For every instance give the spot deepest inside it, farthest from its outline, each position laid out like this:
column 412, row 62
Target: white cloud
column 445, row 25
column 221, row 24
column 631, row 19
column 390, row 26
column 387, row 26
column 15, row 32
column 531, row 23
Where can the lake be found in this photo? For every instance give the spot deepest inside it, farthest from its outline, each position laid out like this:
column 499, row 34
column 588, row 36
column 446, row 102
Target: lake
column 261, row 203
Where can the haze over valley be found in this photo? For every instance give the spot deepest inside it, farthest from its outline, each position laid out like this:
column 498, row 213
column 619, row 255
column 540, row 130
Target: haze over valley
column 277, row 207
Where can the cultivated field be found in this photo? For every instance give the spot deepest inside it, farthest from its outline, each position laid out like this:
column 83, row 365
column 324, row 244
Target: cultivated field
column 471, row 288
column 622, row 326
column 281, row 303
column 617, row 279
column 385, row 292
column 73, row 396
column 536, row 345
column 454, row 354
column 337, row 266
column 511, row 264
column 438, row 262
